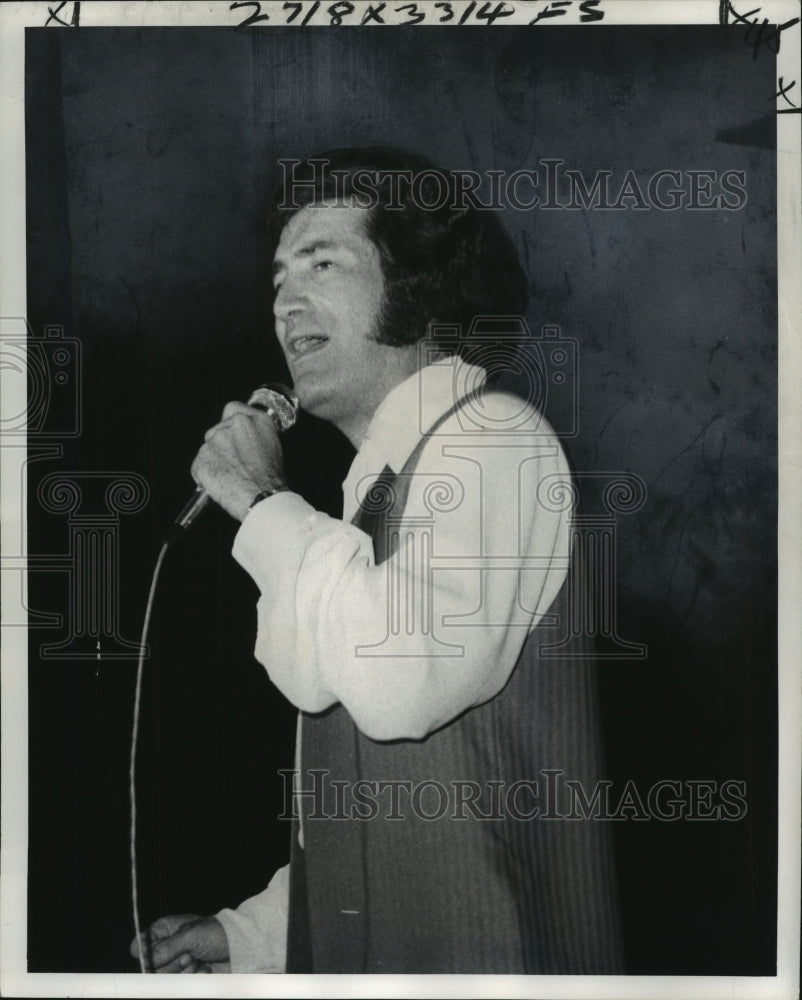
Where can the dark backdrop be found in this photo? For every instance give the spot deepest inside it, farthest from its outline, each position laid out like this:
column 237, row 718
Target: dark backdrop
column 149, row 155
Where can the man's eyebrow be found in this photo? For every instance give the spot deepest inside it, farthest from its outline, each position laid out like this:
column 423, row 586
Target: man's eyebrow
column 307, row 249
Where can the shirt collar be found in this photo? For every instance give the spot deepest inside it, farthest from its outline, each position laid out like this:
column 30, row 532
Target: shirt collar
column 406, row 413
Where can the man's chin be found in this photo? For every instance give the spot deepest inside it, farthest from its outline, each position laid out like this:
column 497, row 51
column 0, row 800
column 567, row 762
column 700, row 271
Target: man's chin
column 313, row 399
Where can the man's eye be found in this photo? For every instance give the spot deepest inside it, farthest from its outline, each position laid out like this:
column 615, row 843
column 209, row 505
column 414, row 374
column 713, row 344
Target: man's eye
column 323, row 265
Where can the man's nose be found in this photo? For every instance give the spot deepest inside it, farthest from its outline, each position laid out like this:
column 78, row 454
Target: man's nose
column 289, row 299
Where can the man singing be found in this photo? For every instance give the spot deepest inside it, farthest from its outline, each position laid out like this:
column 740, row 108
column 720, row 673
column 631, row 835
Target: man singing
column 419, row 636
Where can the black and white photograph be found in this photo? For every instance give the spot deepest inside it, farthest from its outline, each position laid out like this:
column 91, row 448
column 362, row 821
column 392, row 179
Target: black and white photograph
column 400, row 498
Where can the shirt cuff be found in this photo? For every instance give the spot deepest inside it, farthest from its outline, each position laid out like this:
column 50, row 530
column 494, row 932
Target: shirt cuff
column 272, row 534
column 257, row 929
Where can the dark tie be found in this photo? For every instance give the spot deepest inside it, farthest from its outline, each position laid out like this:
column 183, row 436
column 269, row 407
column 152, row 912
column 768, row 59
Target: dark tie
column 382, row 498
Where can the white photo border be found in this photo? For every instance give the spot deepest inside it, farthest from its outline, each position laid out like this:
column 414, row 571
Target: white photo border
column 14, row 979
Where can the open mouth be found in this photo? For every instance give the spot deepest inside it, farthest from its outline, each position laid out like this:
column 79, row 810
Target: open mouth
column 306, row 344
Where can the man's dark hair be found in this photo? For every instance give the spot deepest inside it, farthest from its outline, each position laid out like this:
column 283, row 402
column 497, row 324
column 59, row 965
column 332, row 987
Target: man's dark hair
column 445, row 264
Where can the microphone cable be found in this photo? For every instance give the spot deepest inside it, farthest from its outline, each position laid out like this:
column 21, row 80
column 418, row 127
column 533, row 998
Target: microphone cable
column 134, row 740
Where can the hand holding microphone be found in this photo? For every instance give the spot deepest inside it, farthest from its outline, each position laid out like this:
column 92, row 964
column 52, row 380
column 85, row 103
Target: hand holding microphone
column 241, row 461
column 241, row 457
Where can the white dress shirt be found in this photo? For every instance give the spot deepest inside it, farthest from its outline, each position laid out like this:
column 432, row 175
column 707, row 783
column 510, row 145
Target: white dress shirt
column 408, row 645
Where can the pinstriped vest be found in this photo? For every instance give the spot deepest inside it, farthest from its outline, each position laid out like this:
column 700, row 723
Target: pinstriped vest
column 480, row 888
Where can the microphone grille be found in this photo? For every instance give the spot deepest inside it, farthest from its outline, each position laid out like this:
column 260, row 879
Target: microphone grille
column 279, row 401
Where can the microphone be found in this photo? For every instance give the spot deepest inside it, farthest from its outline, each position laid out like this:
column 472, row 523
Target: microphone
column 273, row 398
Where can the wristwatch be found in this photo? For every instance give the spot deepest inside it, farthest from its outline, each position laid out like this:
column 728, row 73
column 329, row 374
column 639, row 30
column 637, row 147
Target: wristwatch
column 262, row 496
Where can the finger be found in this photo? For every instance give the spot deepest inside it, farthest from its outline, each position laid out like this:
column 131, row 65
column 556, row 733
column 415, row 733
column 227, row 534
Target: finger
column 185, row 960
column 172, row 966
column 209, row 458
column 230, row 409
column 165, row 926
column 148, row 939
column 165, row 955
column 241, row 418
column 222, row 426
